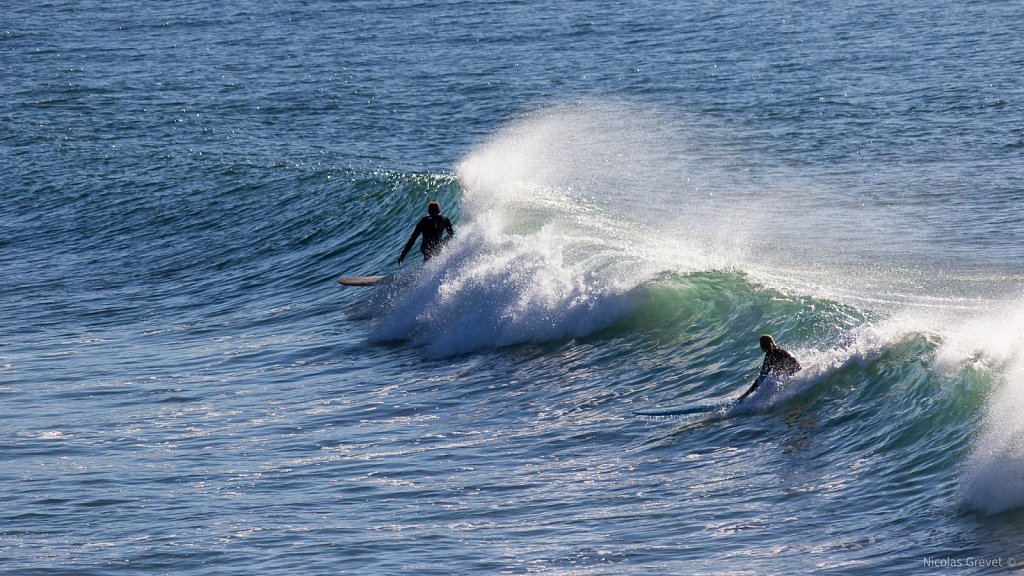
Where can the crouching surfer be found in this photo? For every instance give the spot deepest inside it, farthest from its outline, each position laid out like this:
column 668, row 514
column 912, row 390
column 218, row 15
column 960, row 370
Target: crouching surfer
column 776, row 361
column 431, row 227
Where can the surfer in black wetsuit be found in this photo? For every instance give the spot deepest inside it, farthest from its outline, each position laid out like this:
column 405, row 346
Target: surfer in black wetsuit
column 776, row 359
column 431, row 227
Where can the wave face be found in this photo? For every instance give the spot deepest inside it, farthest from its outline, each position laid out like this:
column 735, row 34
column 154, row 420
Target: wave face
column 601, row 221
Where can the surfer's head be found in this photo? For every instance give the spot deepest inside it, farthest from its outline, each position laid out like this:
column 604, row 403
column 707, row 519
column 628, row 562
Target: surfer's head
column 434, row 208
column 767, row 343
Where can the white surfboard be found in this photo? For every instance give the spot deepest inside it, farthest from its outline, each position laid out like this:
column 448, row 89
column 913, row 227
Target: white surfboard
column 363, row 280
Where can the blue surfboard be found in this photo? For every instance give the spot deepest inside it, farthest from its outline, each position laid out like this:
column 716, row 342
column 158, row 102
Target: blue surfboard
column 686, row 409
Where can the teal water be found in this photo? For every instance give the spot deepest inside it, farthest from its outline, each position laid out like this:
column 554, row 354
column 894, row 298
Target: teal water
column 638, row 193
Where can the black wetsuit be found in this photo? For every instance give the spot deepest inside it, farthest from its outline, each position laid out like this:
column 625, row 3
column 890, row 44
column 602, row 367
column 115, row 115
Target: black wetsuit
column 779, row 360
column 431, row 227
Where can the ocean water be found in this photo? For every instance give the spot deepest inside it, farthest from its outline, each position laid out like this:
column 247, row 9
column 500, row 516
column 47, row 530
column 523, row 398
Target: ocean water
column 639, row 191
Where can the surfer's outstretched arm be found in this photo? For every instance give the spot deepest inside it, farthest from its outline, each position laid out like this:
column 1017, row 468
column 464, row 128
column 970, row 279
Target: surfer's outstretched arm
column 750, row 390
column 766, row 367
column 408, row 245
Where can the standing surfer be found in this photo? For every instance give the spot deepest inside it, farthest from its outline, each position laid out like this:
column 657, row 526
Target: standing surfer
column 776, row 359
column 431, row 227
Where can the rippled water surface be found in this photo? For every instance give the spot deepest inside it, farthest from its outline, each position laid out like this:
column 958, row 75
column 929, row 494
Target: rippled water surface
column 638, row 193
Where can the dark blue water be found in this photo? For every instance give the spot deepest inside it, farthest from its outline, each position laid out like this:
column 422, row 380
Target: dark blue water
column 638, row 193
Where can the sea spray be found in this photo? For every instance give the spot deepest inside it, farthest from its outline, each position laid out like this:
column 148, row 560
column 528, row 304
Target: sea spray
column 551, row 242
column 993, row 476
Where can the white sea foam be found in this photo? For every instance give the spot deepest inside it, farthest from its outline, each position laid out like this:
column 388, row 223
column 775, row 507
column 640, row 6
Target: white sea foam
column 514, row 292
column 993, row 476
